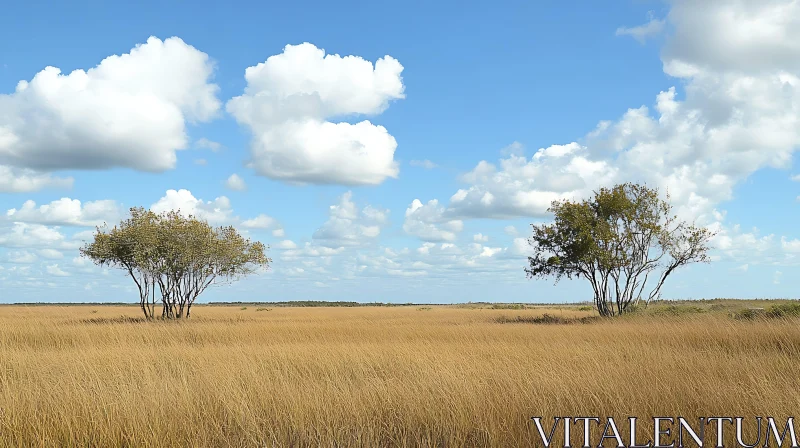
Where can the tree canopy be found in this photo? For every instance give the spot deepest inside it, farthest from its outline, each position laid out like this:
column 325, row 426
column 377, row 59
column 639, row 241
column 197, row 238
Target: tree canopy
column 624, row 240
column 178, row 256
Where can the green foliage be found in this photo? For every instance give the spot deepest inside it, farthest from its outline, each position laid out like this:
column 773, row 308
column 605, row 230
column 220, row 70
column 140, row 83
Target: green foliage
column 618, row 240
column 784, row 310
column 508, row 306
column 748, row 313
column 678, row 310
column 546, row 319
column 178, row 256
column 585, row 308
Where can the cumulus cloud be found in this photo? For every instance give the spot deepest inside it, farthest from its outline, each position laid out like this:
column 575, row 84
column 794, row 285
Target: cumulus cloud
column 128, row 111
column 349, row 226
column 20, row 180
column 235, row 183
column 429, row 223
column 54, row 270
column 216, row 212
column 22, row 235
column 288, row 105
column 739, row 65
column 51, row 254
column 526, row 187
column 21, row 257
column 66, row 212
column 263, row 222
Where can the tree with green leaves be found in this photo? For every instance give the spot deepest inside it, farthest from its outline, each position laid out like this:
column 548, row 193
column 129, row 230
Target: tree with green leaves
column 178, row 255
column 624, row 240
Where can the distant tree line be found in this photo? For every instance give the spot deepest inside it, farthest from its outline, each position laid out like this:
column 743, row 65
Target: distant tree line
column 173, row 259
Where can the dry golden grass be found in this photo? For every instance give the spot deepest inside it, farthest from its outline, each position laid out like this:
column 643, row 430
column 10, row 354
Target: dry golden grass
column 379, row 376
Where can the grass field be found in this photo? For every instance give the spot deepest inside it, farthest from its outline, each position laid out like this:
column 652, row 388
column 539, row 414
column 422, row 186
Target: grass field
column 376, row 376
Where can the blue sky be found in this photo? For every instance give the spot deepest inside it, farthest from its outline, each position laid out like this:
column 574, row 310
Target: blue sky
column 490, row 110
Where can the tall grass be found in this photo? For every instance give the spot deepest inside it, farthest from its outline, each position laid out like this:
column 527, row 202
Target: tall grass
column 373, row 376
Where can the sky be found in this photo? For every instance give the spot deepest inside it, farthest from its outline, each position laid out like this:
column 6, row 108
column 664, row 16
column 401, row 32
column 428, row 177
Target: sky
column 396, row 152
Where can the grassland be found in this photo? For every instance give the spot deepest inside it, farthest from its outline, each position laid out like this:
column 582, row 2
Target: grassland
column 261, row 375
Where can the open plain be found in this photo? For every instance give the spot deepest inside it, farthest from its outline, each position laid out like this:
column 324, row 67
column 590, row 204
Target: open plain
column 469, row 375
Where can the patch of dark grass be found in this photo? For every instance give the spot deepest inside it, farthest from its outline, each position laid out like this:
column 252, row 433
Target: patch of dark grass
column 424, row 308
column 677, row 310
column 508, row 306
column 114, row 320
column 263, row 309
column 749, row 314
column 778, row 311
column 546, row 319
column 791, row 309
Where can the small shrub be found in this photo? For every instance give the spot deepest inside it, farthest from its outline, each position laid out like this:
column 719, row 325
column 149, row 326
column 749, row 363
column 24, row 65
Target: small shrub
column 424, row 308
column 585, row 308
column 748, row 313
column 784, row 310
column 675, row 310
column 243, row 308
column 262, row 309
column 508, row 306
column 546, row 319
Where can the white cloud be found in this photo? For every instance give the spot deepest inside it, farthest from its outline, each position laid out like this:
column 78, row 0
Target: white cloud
column 216, row 212
column 480, row 238
column 67, row 212
column 31, row 235
column 262, row 222
column 205, row 143
column 776, row 278
column 129, row 111
column 235, row 183
column 310, row 250
column 19, row 180
column 523, row 187
column 21, row 257
column 54, row 270
column 201, row 162
column 286, row 244
column 288, row 104
column 51, row 254
column 278, row 233
column 510, row 231
column 652, row 28
column 427, row 164
column 739, row 64
column 428, row 222
column 349, row 226
column 728, row 36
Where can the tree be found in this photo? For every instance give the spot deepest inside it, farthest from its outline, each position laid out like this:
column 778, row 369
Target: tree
column 130, row 246
column 180, row 256
column 624, row 241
